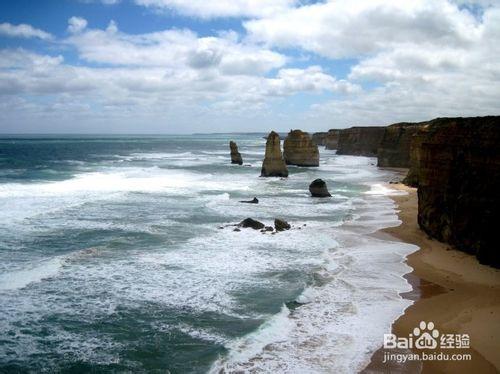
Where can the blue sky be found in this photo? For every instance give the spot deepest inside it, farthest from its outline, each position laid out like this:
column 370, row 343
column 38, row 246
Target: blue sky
column 175, row 66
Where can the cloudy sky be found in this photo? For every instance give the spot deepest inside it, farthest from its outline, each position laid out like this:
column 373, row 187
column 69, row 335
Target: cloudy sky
column 177, row 66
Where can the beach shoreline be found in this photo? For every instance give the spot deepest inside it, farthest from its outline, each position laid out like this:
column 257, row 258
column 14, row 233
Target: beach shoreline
column 451, row 289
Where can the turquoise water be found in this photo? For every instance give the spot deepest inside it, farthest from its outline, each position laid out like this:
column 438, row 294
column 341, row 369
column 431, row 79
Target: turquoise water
column 112, row 258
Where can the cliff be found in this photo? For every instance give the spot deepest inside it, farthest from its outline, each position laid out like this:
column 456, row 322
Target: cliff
column 394, row 149
column 360, row 141
column 273, row 164
column 319, row 137
column 329, row 139
column 300, row 150
column 459, row 183
column 332, row 139
column 235, row 154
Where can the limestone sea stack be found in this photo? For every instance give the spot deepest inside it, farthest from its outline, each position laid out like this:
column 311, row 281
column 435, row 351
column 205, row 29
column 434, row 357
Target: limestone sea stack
column 235, row 155
column 318, row 188
column 273, row 164
column 360, row 141
column 299, row 149
column 458, row 173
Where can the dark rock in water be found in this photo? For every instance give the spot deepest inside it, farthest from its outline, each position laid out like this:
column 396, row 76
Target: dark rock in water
column 458, row 173
column 281, row 225
column 249, row 222
column 318, row 188
column 360, row 141
column 269, row 228
column 235, row 155
column 273, row 164
column 253, row 201
column 299, row 149
column 236, row 229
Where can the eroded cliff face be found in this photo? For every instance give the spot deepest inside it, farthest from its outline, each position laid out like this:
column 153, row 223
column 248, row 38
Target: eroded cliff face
column 273, row 164
column 332, row 139
column 300, row 150
column 360, row 141
column 319, row 137
column 458, row 173
column 394, row 150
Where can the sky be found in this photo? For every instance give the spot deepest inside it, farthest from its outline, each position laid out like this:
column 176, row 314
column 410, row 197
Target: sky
column 183, row 66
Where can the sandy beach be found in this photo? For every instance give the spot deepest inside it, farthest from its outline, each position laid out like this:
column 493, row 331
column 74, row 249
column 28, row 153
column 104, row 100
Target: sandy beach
column 451, row 289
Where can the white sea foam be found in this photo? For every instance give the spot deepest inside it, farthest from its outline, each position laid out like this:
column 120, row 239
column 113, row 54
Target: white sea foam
column 35, row 272
column 342, row 321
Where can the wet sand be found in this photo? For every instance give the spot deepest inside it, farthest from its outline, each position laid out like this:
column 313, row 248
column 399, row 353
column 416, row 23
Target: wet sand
column 451, row 289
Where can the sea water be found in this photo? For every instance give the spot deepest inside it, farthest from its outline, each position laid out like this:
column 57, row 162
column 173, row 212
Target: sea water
column 112, row 258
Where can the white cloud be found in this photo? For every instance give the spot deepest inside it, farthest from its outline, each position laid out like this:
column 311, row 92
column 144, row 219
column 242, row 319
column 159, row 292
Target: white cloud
column 172, row 48
column 76, row 24
column 221, row 8
column 341, row 28
column 416, row 60
column 23, row 31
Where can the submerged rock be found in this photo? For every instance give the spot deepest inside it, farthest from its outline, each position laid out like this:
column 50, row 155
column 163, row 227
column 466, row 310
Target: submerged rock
column 253, row 201
column 273, row 164
column 281, row 225
column 235, row 155
column 318, row 188
column 252, row 223
column 299, row 149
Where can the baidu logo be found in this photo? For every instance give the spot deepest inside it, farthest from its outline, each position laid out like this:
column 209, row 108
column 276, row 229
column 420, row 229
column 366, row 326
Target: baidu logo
column 426, row 336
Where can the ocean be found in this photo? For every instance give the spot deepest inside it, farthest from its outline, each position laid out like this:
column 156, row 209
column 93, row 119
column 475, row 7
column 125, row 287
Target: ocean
column 113, row 259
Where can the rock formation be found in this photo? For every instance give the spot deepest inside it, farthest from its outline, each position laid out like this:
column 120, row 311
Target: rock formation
column 394, row 149
column 235, row 155
column 318, row 188
column 253, row 201
column 332, row 139
column 252, row 223
column 273, row 164
column 360, row 141
column 281, row 225
column 300, row 150
column 319, row 137
column 458, row 172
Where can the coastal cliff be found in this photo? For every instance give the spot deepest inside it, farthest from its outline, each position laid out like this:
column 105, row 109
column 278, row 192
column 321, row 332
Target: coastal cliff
column 273, row 165
column 458, row 170
column 328, row 139
column 299, row 149
column 360, row 141
column 319, row 137
column 332, row 139
column 394, row 149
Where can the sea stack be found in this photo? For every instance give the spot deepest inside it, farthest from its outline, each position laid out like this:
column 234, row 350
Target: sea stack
column 299, row 149
column 273, row 165
column 318, row 188
column 235, row 155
